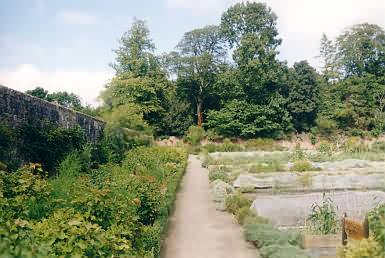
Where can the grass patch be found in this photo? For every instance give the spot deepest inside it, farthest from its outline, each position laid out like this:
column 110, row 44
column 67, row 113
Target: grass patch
column 302, row 166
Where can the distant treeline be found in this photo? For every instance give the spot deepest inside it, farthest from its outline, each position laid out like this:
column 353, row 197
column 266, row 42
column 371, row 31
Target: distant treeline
column 228, row 79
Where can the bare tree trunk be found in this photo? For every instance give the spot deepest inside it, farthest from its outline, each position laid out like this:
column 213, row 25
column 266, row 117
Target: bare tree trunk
column 199, row 113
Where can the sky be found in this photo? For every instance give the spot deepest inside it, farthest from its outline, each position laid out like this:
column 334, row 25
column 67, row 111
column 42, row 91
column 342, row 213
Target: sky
column 66, row 45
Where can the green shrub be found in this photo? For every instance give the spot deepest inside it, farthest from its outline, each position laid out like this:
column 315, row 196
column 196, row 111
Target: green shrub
column 326, row 126
column 355, row 144
column 242, row 213
column 362, row 249
column 72, row 235
column 255, row 219
column 8, row 142
column 282, row 251
column 236, row 201
column 239, row 118
column 195, row 135
column 125, row 129
column 262, row 235
column 325, row 147
column 110, row 211
column 303, row 165
column 68, row 172
column 218, row 173
column 323, row 218
column 298, row 154
column 378, row 146
column 377, row 224
column 46, row 143
column 3, row 167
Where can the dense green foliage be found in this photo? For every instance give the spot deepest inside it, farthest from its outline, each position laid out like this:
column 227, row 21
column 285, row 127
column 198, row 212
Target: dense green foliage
column 110, row 211
column 38, row 142
column 262, row 235
column 323, row 218
column 377, row 225
column 228, row 78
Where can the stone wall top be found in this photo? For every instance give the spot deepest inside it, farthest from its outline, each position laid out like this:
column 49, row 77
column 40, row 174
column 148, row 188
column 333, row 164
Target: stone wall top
column 17, row 108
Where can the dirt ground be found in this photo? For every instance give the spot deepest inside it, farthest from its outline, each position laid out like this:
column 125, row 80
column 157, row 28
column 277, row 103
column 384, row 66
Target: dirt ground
column 197, row 229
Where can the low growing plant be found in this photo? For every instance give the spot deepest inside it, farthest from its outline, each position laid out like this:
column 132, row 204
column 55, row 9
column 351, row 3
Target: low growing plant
column 323, row 217
column 195, row 135
column 303, row 165
column 236, row 201
column 377, row 224
column 366, row 248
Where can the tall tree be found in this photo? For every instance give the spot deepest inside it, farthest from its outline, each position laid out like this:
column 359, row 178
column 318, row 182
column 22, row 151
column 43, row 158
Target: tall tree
column 303, row 98
column 329, row 59
column 251, row 29
column 135, row 53
column 201, row 52
column 140, row 79
column 361, row 49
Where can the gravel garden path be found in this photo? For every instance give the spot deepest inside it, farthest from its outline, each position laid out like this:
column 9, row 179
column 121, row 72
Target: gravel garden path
column 197, row 229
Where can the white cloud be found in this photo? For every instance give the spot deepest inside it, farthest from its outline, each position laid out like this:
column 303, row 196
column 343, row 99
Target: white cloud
column 199, row 7
column 78, row 18
column 86, row 84
column 301, row 22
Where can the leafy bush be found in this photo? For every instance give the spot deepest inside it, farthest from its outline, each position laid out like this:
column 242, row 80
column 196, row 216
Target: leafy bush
column 8, row 140
column 325, row 147
column 303, row 165
column 326, row 127
column 48, row 144
column 236, row 201
column 195, row 135
column 282, row 251
column 377, row 224
column 323, row 217
column 38, row 141
column 63, row 184
column 106, row 212
column 239, row 118
column 298, row 154
column 378, row 146
column 362, row 249
column 72, row 235
column 218, row 173
column 125, row 129
column 262, row 235
column 242, row 213
column 255, row 219
column 25, row 193
column 355, row 145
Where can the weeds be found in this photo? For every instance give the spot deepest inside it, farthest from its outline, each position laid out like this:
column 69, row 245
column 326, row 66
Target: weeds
column 323, row 217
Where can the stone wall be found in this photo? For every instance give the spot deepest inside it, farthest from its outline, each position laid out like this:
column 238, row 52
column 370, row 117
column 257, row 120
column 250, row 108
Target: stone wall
column 17, row 107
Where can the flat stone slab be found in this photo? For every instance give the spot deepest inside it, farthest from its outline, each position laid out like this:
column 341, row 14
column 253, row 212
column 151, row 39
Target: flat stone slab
column 293, row 209
column 312, row 181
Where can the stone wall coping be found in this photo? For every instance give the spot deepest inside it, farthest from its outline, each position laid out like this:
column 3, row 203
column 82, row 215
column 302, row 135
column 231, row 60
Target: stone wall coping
column 50, row 103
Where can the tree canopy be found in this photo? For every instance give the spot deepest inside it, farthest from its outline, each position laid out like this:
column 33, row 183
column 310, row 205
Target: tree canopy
column 228, row 79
